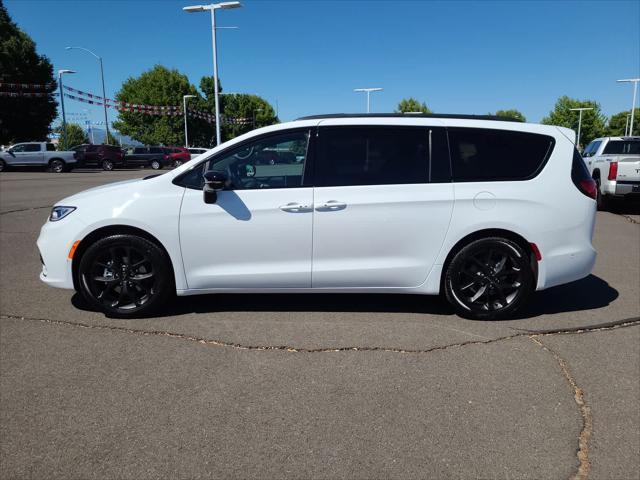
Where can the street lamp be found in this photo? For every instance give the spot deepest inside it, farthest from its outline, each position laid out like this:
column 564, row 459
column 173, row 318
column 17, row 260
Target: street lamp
column 368, row 90
column 104, row 96
column 184, row 110
column 633, row 104
column 64, row 118
column 580, row 121
column 212, row 8
column 626, row 125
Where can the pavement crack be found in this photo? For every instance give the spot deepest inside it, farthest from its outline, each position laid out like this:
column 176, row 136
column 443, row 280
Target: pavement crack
column 585, row 412
column 24, row 209
column 630, row 218
column 290, row 348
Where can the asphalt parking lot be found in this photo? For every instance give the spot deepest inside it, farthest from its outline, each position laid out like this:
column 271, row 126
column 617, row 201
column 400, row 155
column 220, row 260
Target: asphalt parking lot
column 300, row 386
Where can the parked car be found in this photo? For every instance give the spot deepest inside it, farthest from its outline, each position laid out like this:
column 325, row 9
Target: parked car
column 178, row 155
column 614, row 164
column 195, row 151
column 482, row 210
column 106, row 157
column 154, row 157
column 37, row 154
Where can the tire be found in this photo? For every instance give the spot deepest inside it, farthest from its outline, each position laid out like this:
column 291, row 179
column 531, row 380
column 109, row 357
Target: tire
column 177, row 163
column 603, row 201
column 125, row 276
column 107, row 165
column 488, row 279
column 57, row 166
column 3, row 166
column 155, row 164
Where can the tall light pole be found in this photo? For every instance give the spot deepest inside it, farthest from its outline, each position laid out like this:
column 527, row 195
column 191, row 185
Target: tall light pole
column 64, row 118
column 580, row 121
column 104, row 96
column 633, row 104
column 184, row 110
column 368, row 91
column 626, row 125
column 212, row 8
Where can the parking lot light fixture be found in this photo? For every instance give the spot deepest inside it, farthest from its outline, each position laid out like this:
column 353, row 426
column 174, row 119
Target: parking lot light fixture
column 104, row 96
column 582, row 109
column 64, row 118
column 184, row 110
column 633, row 103
column 212, row 8
column 368, row 91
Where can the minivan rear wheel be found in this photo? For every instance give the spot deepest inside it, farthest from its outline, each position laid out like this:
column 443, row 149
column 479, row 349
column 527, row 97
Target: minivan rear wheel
column 125, row 276
column 490, row 278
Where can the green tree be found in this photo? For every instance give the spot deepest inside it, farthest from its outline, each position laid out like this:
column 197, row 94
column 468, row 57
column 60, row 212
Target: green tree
column 593, row 121
column 252, row 110
column 23, row 118
column 160, row 86
column 618, row 123
column 75, row 135
column 410, row 104
column 111, row 140
column 511, row 113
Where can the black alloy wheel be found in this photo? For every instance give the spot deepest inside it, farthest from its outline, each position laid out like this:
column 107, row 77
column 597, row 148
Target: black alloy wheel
column 125, row 276
column 489, row 278
column 3, row 165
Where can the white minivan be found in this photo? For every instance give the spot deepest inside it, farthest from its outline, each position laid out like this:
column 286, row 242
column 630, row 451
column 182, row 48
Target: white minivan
column 481, row 209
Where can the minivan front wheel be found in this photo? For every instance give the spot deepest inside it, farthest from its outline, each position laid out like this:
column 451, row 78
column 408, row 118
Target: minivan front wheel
column 489, row 279
column 125, row 276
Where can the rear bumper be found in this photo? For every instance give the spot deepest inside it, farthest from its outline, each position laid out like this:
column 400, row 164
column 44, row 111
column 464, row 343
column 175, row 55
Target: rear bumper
column 627, row 188
column 569, row 266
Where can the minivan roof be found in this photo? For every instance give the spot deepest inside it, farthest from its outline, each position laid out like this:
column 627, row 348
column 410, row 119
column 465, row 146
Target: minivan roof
column 410, row 115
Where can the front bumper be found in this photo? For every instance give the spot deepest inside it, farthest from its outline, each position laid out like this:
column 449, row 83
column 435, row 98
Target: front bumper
column 54, row 243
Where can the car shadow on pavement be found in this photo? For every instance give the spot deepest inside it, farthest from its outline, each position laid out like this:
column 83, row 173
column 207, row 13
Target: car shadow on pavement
column 625, row 207
column 587, row 294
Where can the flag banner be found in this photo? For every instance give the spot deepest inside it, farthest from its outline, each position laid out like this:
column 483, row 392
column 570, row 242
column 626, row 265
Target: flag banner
column 116, row 103
column 27, row 86
column 24, row 94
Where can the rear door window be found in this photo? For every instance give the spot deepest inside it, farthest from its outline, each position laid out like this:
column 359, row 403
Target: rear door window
column 156, row 150
column 51, row 147
column 622, row 147
column 380, row 155
column 32, row 147
column 592, row 148
column 487, row 155
column 139, row 150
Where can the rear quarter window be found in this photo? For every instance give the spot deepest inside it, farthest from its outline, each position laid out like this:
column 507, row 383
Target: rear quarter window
column 487, row 155
column 622, row 147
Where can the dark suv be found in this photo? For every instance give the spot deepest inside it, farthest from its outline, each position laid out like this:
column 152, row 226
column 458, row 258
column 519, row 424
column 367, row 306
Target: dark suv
column 154, row 157
column 106, row 157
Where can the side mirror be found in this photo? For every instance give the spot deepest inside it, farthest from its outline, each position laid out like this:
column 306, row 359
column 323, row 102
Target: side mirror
column 214, row 182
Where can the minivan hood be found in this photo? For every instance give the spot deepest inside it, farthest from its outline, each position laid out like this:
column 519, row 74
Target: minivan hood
column 108, row 188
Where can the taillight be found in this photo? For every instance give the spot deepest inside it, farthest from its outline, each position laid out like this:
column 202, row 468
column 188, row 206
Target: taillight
column 581, row 178
column 589, row 188
column 613, row 170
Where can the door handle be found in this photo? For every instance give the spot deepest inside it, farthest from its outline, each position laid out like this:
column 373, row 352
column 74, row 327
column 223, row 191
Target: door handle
column 295, row 207
column 331, row 205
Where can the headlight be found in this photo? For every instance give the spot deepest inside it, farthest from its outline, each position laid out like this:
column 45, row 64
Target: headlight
column 58, row 213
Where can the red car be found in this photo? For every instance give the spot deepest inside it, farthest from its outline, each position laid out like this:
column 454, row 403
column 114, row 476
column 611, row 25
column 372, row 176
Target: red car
column 178, row 155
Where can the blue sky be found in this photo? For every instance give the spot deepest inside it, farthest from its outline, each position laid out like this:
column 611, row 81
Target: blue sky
column 458, row 57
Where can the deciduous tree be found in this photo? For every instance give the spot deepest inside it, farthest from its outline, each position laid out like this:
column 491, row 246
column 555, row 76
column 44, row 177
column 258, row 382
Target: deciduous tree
column 160, row 86
column 75, row 136
column 23, row 118
column 618, row 123
column 410, row 104
column 511, row 113
column 593, row 121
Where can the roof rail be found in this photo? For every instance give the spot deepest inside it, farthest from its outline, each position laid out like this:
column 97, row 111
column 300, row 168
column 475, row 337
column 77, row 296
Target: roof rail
column 410, row 115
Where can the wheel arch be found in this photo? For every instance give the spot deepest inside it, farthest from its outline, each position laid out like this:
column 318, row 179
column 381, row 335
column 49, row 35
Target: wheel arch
column 51, row 160
column 106, row 231
column 486, row 233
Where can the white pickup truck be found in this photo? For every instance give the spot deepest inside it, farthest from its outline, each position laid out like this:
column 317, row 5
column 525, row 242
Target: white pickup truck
column 614, row 163
column 37, row 154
